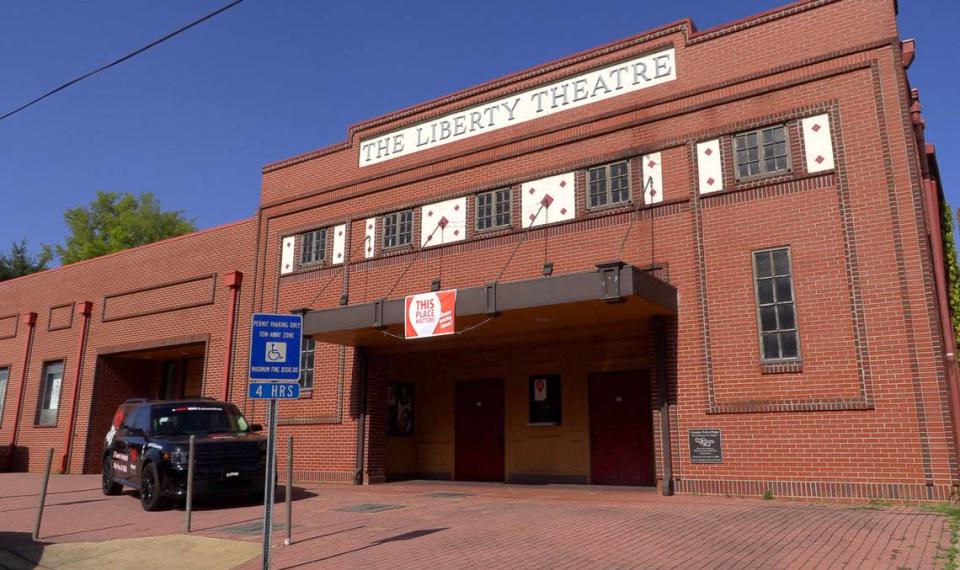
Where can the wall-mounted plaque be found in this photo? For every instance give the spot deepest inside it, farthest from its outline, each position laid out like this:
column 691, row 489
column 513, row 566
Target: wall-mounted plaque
column 705, row 446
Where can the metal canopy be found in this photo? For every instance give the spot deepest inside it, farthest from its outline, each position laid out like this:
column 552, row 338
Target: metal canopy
column 613, row 294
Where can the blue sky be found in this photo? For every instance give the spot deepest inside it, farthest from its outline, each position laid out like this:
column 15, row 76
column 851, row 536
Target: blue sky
column 194, row 119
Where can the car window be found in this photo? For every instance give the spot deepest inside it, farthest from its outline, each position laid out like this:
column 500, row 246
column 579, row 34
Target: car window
column 193, row 419
column 141, row 419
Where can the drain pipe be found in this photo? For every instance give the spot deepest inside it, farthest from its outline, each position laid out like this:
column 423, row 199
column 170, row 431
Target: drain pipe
column 84, row 309
column 30, row 319
column 362, row 416
column 660, row 340
column 232, row 281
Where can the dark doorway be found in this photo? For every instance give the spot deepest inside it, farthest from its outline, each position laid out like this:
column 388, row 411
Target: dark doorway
column 621, row 429
column 165, row 372
column 479, row 419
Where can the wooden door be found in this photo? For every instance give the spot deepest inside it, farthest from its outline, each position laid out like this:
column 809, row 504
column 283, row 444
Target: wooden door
column 621, row 429
column 479, row 427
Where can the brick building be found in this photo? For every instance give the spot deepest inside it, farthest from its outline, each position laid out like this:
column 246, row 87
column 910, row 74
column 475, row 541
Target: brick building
column 707, row 261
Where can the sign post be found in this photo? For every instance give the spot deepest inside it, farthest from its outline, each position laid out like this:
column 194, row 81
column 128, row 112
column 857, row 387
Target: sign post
column 275, row 342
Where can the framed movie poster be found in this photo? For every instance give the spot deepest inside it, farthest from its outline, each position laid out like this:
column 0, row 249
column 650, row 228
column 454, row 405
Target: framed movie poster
column 545, row 399
column 400, row 409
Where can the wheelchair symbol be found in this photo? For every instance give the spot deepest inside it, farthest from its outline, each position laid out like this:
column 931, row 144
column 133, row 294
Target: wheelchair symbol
column 276, row 352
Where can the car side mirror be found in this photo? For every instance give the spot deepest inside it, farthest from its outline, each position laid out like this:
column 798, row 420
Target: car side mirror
column 256, row 427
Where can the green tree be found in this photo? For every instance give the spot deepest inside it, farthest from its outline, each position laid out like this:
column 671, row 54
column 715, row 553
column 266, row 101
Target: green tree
column 113, row 222
column 18, row 261
column 953, row 267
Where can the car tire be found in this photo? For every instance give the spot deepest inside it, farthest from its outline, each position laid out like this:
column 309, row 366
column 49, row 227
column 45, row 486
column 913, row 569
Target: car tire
column 108, row 485
column 150, row 498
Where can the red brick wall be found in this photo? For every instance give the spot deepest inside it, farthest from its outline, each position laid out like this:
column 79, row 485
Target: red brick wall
column 162, row 314
column 864, row 415
column 865, row 408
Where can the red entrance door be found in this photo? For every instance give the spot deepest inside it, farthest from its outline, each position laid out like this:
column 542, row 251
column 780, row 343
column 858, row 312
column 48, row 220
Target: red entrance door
column 621, row 429
column 478, row 445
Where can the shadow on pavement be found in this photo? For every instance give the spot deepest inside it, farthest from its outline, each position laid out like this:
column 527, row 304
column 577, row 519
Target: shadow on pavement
column 19, row 551
column 397, row 538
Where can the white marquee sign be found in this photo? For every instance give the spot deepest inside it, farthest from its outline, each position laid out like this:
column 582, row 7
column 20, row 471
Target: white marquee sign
column 591, row 87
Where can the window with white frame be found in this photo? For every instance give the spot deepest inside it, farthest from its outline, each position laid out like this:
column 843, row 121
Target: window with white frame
column 4, row 377
column 52, row 381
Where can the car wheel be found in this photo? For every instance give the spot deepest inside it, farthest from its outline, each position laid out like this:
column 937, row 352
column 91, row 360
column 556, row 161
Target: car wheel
column 150, row 488
column 108, row 485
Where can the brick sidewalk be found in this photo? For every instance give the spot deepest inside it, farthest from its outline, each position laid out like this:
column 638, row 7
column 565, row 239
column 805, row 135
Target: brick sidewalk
column 447, row 525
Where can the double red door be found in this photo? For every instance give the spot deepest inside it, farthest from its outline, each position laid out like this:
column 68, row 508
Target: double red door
column 479, row 428
column 621, row 429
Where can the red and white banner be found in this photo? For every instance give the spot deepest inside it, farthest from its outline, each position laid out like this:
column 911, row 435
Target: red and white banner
column 429, row 314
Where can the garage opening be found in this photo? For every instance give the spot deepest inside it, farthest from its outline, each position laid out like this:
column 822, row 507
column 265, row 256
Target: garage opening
column 161, row 373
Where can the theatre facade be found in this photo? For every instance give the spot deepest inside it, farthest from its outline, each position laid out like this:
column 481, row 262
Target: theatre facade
column 706, row 261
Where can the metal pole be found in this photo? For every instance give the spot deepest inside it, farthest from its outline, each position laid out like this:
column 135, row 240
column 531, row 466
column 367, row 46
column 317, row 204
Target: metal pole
column 269, row 483
column 43, row 494
column 190, row 464
column 288, row 494
column 660, row 340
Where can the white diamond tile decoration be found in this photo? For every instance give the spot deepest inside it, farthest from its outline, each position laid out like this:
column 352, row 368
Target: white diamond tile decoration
column 443, row 222
column 548, row 200
column 710, row 166
column 652, row 178
column 286, row 254
column 339, row 244
column 370, row 238
column 817, row 143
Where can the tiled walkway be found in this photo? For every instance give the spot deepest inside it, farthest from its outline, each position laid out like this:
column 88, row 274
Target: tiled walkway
column 449, row 525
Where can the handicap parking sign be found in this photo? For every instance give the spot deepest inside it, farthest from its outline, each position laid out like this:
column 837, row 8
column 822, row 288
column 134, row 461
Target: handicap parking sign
column 275, row 346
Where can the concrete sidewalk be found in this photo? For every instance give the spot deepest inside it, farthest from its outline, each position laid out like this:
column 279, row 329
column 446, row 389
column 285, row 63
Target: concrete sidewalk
column 461, row 525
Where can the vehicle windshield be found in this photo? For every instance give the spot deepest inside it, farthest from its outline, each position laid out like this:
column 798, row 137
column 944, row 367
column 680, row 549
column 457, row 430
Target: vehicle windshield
column 196, row 419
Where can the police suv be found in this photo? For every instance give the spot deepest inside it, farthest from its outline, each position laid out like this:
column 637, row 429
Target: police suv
column 147, row 448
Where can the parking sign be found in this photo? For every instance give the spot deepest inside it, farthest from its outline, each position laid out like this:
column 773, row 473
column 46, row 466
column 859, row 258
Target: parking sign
column 275, row 346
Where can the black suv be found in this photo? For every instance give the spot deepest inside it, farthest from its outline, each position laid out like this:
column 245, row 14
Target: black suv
column 147, row 449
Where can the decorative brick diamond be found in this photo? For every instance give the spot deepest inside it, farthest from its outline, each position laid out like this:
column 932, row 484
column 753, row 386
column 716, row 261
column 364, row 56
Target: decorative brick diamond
column 651, row 164
column 532, row 217
column 815, row 127
column 456, row 232
column 563, row 211
column 429, row 212
column 819, row 159
column 340, row 233
column 563, row 183
column 286, row 266
column 456, row 208
column 339, row 255
column 653, row 192
column 429, row 237
column 369, row 249
column 708, row 152
column 370, row 227
column 547, row 200
column 289, row 244
column 710, row 181
column 443, row 222
column 532, row 190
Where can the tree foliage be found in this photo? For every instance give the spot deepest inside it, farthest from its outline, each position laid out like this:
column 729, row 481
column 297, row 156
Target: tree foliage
column 19, row 262
column 953, row 268
column 113, row 222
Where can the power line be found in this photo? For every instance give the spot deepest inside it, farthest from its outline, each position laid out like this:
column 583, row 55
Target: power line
column 121, row 60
